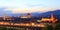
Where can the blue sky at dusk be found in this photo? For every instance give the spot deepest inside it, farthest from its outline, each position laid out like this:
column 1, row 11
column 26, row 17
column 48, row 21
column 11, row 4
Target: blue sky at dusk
column 25, row 6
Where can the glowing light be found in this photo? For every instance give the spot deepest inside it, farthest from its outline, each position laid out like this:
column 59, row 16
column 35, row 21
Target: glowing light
column 32, row 24
column 27, row 24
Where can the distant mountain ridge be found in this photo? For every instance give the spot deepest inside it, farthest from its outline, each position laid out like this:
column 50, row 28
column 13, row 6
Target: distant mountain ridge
column 56, row 12
column 37, row 14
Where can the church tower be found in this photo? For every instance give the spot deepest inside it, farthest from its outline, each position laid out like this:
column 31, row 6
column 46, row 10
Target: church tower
column 4, row 16
column 53, row 18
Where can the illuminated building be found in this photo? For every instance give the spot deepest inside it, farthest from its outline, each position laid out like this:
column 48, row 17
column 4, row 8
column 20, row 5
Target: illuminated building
column 27, row 16
column 7, row 17
column 52, row 19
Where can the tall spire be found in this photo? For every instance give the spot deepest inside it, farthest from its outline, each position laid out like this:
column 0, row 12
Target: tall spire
column 4, row 16
column 52, row 16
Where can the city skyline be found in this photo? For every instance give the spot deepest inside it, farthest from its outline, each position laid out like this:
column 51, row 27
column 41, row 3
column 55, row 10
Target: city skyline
column 29, row 14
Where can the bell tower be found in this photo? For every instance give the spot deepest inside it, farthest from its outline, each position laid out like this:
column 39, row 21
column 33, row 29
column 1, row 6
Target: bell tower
column 4, row 16
column 53, row 18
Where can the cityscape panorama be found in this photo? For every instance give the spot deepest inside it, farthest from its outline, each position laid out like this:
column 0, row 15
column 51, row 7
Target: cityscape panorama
column 29, row 14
